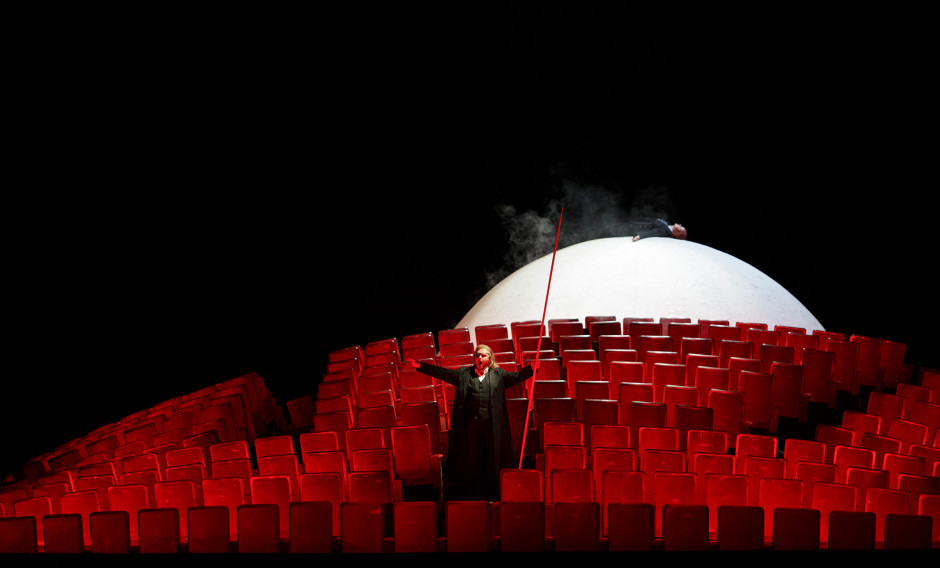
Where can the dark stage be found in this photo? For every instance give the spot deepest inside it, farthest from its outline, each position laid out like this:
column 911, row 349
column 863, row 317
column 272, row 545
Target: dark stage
column 197, row 194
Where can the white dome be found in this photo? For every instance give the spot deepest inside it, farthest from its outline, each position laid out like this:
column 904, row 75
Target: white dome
column 654, row 277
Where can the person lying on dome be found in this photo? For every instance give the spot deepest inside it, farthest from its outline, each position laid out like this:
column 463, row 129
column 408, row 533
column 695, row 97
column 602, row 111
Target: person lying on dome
column 657, row 228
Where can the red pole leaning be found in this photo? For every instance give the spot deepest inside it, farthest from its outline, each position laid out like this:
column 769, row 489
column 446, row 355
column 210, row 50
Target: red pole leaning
column 538, row 347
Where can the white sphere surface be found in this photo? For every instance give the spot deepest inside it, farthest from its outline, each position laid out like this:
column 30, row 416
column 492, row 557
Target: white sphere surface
column 653, row 277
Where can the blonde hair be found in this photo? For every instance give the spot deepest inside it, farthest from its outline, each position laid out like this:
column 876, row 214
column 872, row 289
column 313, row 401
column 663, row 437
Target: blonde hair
column 493, row 363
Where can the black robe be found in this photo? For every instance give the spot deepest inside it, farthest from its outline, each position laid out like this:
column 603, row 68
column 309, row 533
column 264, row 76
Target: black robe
column 650, row 227
column 455, row 464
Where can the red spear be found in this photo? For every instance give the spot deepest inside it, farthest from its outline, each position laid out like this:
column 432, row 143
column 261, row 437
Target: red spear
column 538, row 348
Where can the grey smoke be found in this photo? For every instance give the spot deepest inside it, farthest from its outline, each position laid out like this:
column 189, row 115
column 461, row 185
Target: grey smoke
column 590, row 212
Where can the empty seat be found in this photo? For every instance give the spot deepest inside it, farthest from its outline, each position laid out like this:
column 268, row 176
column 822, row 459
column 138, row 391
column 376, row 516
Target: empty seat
column 630, row 527
column 562, row 457
column 747, row 445
column 811, row 473
column 179, row 496
column 609, row 436
column 521, row 485
column 833, row 437
column 467, row 526
column 209, row 530
column 359, row 439
column 259, row 527
column 775, row 493
column 370, row 487
column 63, row 533
column 589, row 390
column 281, row 465
column 757, row 468
column 622, row 486
column 884, row 502
column 415, row 526
column 311, row 527
column 795, row 529
column 907, row 532
column 626, row 372
column 274, row 446
column 705, row 441
column 758, row 393
column 847, row 457
column 159, row 531
column 575, row 526
column 864, row 479
column 110, row 532
column 849, row 530
column 610, row 459
column 521, row 526
column 326, row 487
column 740, row 528
column 572, row 485
column 363, row 527
column 817, row 375
column 18, row 535
column 272, row 490
column 81, row 503
column 704, row 466
column 414, row 460
column 131, row 499
column 796, row 451
column 685, row 527
column 728, row 408
column 644, row 415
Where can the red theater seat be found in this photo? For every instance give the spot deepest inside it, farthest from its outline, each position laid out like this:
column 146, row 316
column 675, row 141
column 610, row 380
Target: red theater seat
column 630, row 527
column 774, row 494
column 609, row 459
column 209, row 529
column 728, row 408
column 159, row 531
column 415, row 526
column 415, row 462
column 849, row 530
column 63, row 534
column 111, row 532
column 18, row 535
column 259, row 528
column 884, row 502
column 521, row 526
column 622, row 486
column 747, row 445
column 739, row 528
column 467, row 526
column 179, row 496
column 907, row 532
column 363, row 528
column 521, row 485
column 575, row 526
column 685, row 527
column 795, row 529
column 270, row 490
column 311, row 527
column 796, row 450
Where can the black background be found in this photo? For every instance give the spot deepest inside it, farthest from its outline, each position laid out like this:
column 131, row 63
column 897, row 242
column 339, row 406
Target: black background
column 196, row 193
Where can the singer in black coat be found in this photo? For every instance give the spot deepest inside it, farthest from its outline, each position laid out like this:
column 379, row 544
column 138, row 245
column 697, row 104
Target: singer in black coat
column 480, row 439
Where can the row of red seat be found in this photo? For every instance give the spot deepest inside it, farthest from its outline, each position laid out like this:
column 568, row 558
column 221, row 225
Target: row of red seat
column 354, row 454
column 469, row 526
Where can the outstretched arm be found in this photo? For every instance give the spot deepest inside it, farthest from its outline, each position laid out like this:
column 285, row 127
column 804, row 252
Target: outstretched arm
column 449, row 376
column 525, row 374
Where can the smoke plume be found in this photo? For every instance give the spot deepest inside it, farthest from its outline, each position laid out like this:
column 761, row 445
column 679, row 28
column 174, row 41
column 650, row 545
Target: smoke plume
column 590, row 212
